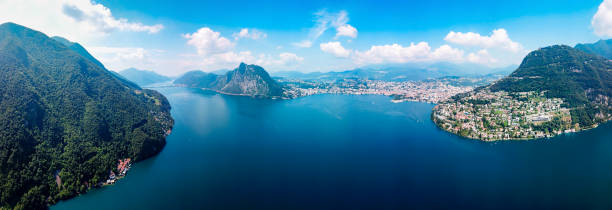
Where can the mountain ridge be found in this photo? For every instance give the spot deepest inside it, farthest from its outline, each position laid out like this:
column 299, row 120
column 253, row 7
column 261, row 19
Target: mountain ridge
column 245, row 80
column 556, row 89
column 64, row 114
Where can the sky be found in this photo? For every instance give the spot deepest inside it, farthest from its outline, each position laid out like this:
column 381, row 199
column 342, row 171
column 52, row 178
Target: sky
column 173, row 37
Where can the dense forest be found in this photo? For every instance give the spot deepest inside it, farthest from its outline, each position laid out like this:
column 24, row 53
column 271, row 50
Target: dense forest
column 62, row 113
column 582, row 80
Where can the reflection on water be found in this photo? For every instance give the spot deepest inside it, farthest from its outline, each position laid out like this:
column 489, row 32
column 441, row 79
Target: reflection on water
column 339, row 151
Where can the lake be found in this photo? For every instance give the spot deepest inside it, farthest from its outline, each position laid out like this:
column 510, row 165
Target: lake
column 348, row 151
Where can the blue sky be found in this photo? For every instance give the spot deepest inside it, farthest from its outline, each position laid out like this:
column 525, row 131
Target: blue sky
column 172, row 37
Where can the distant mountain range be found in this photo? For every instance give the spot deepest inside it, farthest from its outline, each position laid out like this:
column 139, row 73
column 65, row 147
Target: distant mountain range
column 407, row 72
column 143, row 77
column 248, row 80
column 602, row 48
column 64, row 117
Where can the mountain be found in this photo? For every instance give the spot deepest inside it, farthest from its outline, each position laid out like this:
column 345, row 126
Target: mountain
column 602, row 48
column 199, row 79
column 143, row 77
column 412, row 72
column 76, row 47
column 582, row 80
column 221, row 71
column 387, row 74
column 248, row 80
column 555, row 90
column 62, row 113
column 562, row 72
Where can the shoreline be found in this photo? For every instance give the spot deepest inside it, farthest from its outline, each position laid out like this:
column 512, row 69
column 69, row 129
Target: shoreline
column 517, row 139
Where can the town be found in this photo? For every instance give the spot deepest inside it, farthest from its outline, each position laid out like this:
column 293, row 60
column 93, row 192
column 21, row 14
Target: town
column 488, row 115
column 432, row 91
column 123, row 167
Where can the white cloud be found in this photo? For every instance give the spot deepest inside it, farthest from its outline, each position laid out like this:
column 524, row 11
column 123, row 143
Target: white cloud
column 447, row 53
column 230, row 60
column 481, row 57
column 287, row 58
column 394, row 53
column 101, row 18
column 209, row 42
column 119, row 58
column 497, row 40
column 602, row 20
column 216, row 52
column 250, row 34
column 325, row 20
column 77, row 20
column 303, row 44
column 335, row 48
column 422, row 52
column 346, row 30
column 227, row 59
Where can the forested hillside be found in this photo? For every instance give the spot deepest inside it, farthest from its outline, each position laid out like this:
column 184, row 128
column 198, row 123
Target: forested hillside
column 63, row 113
column 582, row 80
column 249, row 80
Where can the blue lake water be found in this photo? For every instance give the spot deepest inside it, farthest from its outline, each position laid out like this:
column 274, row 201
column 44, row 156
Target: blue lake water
column 356, row 152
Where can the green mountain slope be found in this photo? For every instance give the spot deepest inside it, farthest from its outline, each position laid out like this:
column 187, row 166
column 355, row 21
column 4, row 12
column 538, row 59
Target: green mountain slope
column 582, row 80
column 143, row 77
column 63, row 113
column 249, row 80
column 562, row 72
column 76, row 47
column 556, row 89
column 198, row 79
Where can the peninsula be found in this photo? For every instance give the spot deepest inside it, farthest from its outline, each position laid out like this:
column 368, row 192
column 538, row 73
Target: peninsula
column 555, row 90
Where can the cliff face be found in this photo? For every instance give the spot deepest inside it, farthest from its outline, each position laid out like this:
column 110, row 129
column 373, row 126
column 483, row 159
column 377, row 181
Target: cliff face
column 249, row 80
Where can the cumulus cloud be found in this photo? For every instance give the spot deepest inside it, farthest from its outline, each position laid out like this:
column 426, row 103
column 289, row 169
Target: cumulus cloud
column 77, row 20
column 249, row 34
column 346, row 30
column 216, row 52
column 325, row 20
column 289, row 58
column 422, row 52
column 229, row 60
column 447, row 53
column 335, row 48
column 481, row 57
column 602, row 20
column 497, row 40
column 209, row 42
column 119, row 58
column 101, row 18
column 394, row 53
